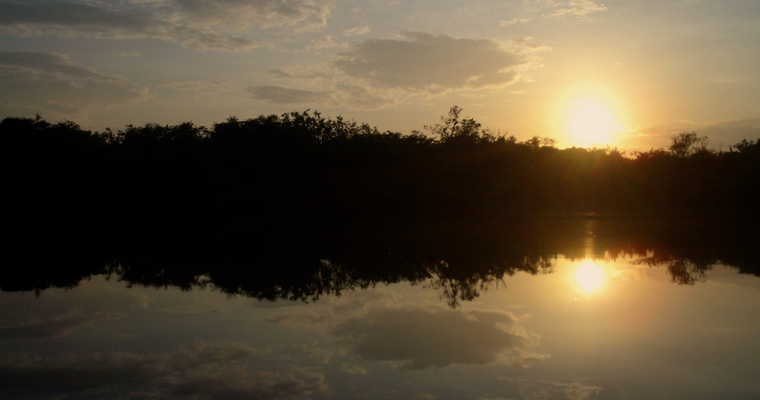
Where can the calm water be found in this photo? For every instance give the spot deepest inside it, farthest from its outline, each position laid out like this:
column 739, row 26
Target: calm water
column 597, row 319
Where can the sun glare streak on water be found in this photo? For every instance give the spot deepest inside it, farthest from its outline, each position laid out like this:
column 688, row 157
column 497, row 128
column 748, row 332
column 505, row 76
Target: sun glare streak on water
column 589, row 276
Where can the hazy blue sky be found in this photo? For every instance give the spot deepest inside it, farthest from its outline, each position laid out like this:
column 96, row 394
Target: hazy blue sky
column 626, row 72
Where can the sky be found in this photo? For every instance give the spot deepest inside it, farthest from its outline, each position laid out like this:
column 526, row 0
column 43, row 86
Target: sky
column 625, row 73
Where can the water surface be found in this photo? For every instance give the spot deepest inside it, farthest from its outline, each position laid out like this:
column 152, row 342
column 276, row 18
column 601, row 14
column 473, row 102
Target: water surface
column 587, row 314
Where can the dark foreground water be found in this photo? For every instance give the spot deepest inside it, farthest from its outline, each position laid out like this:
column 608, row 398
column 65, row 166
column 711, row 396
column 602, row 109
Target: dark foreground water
column 583, row 311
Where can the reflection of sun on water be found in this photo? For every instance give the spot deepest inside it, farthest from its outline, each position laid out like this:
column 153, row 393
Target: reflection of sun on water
column 589, row 276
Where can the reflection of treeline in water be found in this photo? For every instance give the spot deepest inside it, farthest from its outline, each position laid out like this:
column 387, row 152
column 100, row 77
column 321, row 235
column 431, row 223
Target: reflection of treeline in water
column 458, row 259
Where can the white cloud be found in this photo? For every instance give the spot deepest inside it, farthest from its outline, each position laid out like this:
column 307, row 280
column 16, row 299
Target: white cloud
column 378, row 73
column 53, row 84
column 421, row 338
column 359, row 97
column 425, row 62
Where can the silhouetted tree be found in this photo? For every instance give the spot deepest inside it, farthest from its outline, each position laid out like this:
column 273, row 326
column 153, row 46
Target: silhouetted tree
column 687, row 144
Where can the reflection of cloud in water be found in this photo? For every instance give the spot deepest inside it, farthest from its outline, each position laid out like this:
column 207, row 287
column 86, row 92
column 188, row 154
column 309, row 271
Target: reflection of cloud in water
column 423, row 338
column 322, row 316
column 57, row 312
column 579, row 391
column 353, row 369
column 554, row 390
column 199, row 370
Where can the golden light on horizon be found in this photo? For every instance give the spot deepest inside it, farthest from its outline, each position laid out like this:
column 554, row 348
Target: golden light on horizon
column 589, row 276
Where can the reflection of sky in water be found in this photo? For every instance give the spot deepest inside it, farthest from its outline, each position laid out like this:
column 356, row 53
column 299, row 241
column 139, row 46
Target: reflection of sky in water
column 590, row 329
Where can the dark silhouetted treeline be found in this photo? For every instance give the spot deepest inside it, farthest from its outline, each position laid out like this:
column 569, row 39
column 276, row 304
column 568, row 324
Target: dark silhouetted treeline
column 296, row 206
column 299, row 169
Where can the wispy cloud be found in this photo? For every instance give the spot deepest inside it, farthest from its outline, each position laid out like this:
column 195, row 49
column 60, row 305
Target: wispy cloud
column 198, row 370
column 277, row 73
column 244, row 14
column 356, row 31
column 282, row 95
column 360, row 97
column 129, row 54
column 581, row 9
column 721, row 134
column 515, row 20
column 50, row 83
column 199, row 24
column 578, row 8
column 57, row 313
column 579, row 391
column 193, row 85
column 548, row 389
column 322, row 42
column 733, row 131
column 341, row 94
column 525, row 45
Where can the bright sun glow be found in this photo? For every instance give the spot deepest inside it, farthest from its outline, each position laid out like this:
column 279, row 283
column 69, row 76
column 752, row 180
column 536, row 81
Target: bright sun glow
column 590, row 122
column 589, row 276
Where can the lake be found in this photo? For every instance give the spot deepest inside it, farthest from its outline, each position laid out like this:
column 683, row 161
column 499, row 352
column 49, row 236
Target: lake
column 562, row 309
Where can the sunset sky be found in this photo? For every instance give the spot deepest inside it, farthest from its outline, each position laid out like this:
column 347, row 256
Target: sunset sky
column 629, row 73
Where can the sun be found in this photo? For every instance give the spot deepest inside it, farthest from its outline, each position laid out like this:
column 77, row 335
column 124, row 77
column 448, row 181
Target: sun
column 590, row 114
column 590, row 122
